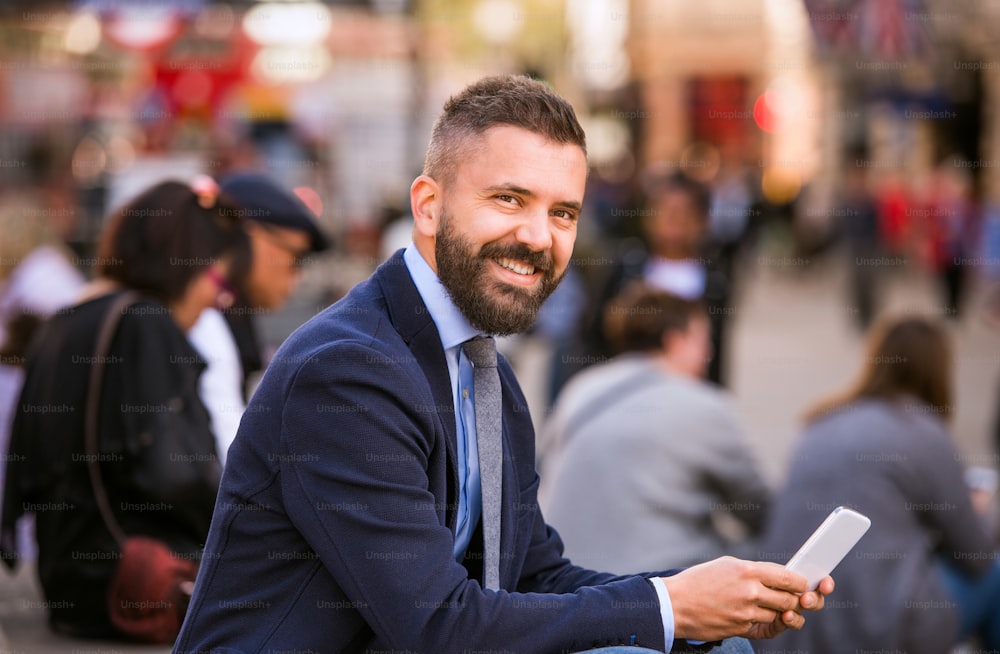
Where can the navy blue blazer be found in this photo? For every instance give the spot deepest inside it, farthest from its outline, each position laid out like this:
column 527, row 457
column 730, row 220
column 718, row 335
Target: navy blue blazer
column 334, row 526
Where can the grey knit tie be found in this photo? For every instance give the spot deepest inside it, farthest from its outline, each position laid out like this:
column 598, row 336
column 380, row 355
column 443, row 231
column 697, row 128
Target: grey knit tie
column 482, row 352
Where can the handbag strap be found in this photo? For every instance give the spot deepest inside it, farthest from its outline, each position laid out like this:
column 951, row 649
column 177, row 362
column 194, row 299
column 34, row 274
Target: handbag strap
column 106, row 332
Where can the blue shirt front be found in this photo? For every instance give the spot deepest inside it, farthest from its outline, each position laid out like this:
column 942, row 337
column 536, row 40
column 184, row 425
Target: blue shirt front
column 454, row 330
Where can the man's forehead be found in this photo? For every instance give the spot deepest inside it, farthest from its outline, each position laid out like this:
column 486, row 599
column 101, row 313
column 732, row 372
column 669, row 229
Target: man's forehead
column 520, row 156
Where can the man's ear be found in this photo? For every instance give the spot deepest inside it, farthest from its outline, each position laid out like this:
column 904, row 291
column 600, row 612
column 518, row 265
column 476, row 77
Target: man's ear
column 426, row 203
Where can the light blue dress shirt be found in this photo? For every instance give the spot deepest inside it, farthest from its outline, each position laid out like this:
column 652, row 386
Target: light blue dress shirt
column 454, row 330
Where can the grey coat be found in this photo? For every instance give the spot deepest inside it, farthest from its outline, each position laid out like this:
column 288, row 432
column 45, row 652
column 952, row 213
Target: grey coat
column 640, row 462
column 895, row 463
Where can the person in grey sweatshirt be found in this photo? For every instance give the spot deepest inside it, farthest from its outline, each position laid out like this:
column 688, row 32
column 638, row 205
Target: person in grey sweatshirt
column 926, row 575
column 642, row 458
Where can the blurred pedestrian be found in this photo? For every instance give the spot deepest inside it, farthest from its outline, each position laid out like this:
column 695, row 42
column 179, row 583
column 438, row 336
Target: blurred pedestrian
column 950, row 221
column 926, row 575
column 282, row 232
column 860, row 229
column 175, row 249
column 647, row 456
column 894, row 207
column 734, row 213
column 37, row 279
column 674, row 255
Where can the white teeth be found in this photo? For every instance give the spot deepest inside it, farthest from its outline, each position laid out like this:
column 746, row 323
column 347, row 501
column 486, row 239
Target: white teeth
column 519, row 268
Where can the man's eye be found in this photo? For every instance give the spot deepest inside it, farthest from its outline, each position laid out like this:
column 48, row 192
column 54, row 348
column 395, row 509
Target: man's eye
column 503, row 197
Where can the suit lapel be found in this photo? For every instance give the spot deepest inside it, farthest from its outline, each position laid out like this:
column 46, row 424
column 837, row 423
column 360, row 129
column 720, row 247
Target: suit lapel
column 413, row 322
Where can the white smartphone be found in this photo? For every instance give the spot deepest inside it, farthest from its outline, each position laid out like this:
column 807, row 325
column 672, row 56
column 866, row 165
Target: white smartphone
column 829, row 544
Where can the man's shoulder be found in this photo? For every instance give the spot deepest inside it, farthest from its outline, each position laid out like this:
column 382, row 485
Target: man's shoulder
column 367, row 304
column 360, row 318
column 359, row 327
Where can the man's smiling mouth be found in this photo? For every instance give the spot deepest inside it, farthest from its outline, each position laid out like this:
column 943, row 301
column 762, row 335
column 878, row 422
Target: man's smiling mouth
column 515, row 266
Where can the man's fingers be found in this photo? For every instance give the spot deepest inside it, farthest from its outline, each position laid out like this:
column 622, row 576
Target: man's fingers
column 815, row 600
column 781, row 578
column 792, row 620
column 812, row 601
column 760, row 615
column 777, row 601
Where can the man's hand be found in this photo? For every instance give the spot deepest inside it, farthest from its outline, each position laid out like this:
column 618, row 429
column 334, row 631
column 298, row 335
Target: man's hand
column 728, row 597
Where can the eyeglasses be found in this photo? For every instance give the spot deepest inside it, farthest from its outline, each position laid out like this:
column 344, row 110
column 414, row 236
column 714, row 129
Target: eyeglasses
column 227, row 294
column 298, row 254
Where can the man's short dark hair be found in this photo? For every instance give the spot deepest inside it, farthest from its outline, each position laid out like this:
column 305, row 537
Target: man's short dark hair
column 637, row 319
column 499, row 100
column 158, row 243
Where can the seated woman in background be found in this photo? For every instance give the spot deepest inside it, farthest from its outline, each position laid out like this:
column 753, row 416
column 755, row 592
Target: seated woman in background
column 643, row 457
column 175, row 249
column 925, row 576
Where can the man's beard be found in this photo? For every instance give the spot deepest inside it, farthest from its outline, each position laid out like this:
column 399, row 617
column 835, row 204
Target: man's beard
column 490, row 305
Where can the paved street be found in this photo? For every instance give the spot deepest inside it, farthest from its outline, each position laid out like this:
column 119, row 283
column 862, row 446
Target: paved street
column 793, row 341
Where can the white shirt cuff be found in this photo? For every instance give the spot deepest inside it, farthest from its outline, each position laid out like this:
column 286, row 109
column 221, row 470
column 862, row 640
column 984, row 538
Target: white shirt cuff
column 666, row 612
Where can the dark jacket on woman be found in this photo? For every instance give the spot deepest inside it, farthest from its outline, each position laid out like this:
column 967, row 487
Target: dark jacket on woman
column 156, row 453
column 894, row 462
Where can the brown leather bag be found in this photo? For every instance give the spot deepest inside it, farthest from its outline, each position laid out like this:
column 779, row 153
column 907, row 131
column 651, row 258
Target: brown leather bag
column 149, row 593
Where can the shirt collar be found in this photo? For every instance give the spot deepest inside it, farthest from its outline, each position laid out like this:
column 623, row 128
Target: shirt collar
column 452, row 325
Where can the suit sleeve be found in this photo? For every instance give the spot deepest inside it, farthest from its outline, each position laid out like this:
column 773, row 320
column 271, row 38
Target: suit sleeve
column 358, row 431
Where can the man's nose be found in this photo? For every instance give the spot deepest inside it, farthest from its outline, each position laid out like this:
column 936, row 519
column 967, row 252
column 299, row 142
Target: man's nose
column 535, row 231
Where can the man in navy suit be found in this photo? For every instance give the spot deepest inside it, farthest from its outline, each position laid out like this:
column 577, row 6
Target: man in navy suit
column 348, row 517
